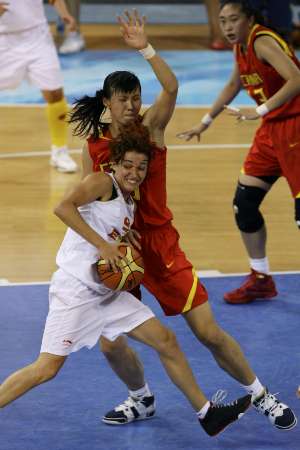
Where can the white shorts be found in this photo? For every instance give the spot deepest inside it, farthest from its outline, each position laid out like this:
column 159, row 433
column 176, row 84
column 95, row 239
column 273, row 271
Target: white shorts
column 78, row 316
column 29, row 55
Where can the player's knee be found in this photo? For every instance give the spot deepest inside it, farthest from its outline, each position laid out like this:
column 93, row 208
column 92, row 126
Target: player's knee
column 167, row 345
column 246, row 204
column 113, row 349
column 211, row 335
column 297, row 211
column 45, row 370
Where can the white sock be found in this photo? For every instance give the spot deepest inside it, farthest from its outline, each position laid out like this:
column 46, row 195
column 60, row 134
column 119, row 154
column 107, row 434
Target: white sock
column 142, row 392
column 202, row 413
column 255, row 389
column 260, row 265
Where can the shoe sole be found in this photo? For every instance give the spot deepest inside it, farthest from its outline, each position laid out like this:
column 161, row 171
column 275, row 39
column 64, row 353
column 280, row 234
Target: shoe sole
column 109, row 422
column 250, row 299
column 59, row 169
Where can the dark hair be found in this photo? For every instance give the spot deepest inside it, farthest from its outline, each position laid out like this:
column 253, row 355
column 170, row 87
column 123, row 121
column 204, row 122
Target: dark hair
column 132, row 137
column 246, row 8
column 87, row 111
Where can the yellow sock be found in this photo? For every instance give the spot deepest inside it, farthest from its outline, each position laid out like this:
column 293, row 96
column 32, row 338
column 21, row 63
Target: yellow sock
column 58, row 127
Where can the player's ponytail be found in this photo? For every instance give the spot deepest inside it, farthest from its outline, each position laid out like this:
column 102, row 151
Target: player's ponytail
column 86, row 114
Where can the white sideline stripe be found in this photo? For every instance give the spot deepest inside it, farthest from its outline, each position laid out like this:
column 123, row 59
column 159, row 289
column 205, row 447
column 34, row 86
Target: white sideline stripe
column 170, row 147
column 201, row 274
column 42, row 105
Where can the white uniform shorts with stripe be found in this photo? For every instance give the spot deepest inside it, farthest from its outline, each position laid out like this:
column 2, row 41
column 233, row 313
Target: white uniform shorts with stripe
column 78, row 315
column 29, row 55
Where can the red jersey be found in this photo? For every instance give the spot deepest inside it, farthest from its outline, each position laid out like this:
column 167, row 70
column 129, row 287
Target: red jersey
column 260, row 79
column 151, row 197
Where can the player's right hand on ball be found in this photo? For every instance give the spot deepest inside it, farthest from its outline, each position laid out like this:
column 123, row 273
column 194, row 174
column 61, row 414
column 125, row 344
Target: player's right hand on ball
column 111, row 253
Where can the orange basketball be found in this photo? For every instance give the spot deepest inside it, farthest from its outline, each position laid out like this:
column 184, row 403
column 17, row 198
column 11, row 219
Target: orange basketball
column 131, row 272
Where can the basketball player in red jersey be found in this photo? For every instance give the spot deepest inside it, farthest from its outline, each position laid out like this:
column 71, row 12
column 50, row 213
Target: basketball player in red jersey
column 268, row 69
column 169, row 276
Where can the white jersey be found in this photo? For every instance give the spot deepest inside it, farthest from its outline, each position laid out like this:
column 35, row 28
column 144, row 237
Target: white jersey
column 111, row 220
column 22, row 15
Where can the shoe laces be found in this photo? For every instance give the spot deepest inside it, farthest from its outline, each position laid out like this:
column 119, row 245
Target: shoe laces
column 269, row 404
column 218, row 398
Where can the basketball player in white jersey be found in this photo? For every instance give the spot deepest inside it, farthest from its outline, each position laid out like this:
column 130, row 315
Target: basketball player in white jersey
column 82, row 309
column 27, row 51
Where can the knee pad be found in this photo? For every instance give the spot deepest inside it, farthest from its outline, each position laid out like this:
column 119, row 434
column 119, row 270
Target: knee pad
column 297, row 211
column 246, row 204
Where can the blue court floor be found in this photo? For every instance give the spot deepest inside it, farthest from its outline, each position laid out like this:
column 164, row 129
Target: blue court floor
column 65, row 413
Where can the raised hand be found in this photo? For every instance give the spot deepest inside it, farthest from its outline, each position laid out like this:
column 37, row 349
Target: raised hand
column 132, row 27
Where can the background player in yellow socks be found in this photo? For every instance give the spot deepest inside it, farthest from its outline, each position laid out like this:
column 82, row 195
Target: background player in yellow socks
column 27, row 51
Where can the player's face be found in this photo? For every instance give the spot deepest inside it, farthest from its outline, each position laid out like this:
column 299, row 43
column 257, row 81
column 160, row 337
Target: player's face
column 131, row 171
column 124, row 106
column 234, row 24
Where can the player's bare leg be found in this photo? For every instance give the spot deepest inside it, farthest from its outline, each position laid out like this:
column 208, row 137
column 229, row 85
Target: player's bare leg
column 224, row 348
column 213, row 418
column 21, row 381
column 124, row 362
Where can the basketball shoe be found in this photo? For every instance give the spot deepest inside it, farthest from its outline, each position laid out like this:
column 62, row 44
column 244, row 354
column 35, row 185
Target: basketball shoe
column 279, row 414
column 256, row 285
column 73, row 43
column 61, row 160
column 220, row 415
column 132, row 409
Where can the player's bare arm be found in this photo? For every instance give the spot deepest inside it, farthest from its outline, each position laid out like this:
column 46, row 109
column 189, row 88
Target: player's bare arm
column 91, row 188
column 64, row 14
column 229, row 92
column 132, row 27
column 3, row 7
column 270, row 52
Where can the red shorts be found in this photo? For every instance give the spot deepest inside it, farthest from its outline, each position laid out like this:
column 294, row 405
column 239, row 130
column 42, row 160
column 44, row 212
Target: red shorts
column 276, row 151
column 169, row 276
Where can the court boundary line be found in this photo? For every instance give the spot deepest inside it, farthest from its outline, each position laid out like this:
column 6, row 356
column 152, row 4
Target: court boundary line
column 13, row 155
column 183, row 106
column 200, row 274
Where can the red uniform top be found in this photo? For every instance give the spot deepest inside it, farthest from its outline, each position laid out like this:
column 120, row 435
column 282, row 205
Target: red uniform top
column 152, row 210
column 260, row 79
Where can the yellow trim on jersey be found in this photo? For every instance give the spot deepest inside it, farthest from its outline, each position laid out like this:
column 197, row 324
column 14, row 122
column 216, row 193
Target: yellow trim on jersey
column 277, row 38
column 298, row 195
column 191, row 296
column 251, row 32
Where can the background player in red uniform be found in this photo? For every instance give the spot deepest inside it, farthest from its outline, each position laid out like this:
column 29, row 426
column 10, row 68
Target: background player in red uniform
column 268, row 69
column 169, row 276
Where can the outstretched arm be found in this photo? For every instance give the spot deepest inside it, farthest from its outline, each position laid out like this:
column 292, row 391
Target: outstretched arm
column 229, row 92
column 159, row 114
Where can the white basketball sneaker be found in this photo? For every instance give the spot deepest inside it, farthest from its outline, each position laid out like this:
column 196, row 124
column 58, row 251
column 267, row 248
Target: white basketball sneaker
column 279, row 414
column 73, row 43
column 61, row 160
column 132, row 409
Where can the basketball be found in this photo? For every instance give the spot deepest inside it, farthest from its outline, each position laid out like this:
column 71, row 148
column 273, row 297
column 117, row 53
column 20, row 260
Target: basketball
column 131, row 272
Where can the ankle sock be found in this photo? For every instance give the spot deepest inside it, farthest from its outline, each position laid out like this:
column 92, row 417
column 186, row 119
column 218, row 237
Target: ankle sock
column 260, row 265
column 142, row 392
column 255, row 389
column 202, row 413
